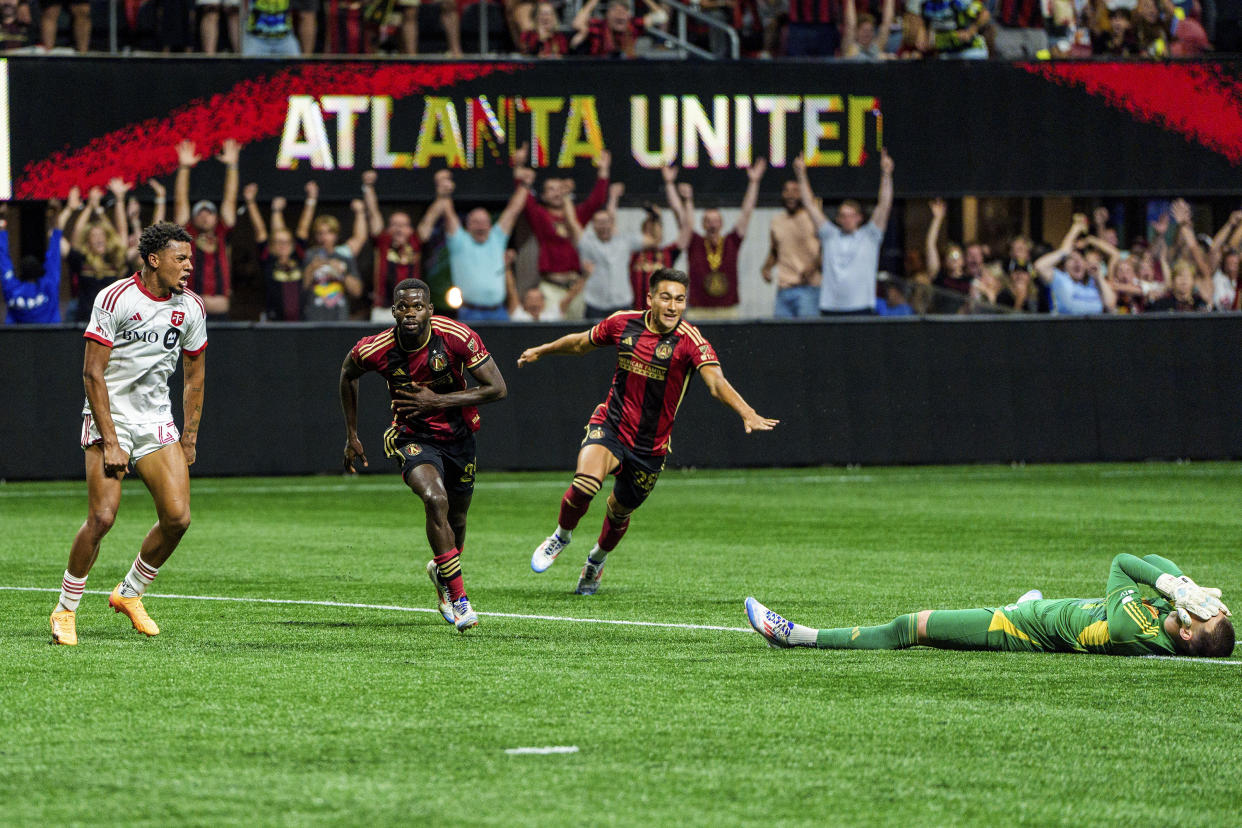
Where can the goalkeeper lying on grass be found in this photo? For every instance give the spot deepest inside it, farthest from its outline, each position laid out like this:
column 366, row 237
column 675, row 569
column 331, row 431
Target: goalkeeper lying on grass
column 1189, row 621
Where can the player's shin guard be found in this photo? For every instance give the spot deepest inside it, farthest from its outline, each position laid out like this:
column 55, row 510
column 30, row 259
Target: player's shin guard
column 449, row 565
column 577, row 500
column 897, row 634
column 610, row 535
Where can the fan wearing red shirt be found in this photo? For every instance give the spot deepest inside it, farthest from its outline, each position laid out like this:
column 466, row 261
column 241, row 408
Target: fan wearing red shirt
column 616, row 34
column 398, row 247
column 628, row 435
column 560, row 276
column 656, row 256
column 208, row 227
column 711, row 258
column 425, row 360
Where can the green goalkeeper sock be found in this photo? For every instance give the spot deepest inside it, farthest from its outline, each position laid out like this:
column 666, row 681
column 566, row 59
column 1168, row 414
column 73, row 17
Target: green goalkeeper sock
column 895, row 635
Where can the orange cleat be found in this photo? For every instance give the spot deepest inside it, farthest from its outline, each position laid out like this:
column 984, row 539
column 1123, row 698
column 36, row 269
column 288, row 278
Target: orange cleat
column 64, row 628
column 135, row 610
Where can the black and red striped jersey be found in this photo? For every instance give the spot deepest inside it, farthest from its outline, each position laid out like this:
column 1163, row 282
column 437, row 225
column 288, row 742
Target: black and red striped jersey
column 653, row 370
column 440, row 363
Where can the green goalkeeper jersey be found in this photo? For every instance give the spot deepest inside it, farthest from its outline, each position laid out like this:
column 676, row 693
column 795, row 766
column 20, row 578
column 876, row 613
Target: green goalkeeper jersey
column 1121, row 623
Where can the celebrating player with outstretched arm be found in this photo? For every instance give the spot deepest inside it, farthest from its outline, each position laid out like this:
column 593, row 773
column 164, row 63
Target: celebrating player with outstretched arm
column 628, row 435
column 425, row 359
column 1190, row 620
column 138, row 328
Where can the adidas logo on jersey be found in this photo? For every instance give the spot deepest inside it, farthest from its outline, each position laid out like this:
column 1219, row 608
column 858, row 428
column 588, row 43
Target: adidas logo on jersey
column 137, row 317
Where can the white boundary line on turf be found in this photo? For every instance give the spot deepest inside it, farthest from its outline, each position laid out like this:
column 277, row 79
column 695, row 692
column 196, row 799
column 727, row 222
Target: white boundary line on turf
column 523, row 616
column 394, row 608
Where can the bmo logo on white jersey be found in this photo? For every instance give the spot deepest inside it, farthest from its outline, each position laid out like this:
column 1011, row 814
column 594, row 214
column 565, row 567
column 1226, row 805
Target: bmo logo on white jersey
column 140, row 336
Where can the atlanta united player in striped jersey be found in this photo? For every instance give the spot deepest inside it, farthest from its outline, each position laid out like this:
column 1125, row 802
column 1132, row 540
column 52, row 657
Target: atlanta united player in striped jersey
column 425, row 359
column 628, row 435
column 138, row 328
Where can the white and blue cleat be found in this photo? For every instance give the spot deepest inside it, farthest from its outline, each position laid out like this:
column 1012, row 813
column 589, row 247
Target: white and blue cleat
column 545, row 555
column 774, row 629
column 588, row 579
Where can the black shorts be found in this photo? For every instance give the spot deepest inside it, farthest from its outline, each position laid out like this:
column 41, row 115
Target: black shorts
column 453, row 460
column 638, row 472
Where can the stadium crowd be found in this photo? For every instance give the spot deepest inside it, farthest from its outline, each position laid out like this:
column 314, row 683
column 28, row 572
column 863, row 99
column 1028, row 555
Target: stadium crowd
column 862, row 30
column 552, row 254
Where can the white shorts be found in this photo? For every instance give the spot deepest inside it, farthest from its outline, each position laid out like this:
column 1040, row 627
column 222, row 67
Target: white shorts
column 136, row 440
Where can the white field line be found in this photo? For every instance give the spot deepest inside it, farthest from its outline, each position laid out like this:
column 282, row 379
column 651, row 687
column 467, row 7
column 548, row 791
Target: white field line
column 541, row 751
column 393, row 608
column 242, row 486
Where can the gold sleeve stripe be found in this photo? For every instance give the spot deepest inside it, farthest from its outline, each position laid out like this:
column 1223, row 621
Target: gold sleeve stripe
column 449, row 326
column 692, row 332
column 479, row 359
column 1145, row 625
column 383, row 342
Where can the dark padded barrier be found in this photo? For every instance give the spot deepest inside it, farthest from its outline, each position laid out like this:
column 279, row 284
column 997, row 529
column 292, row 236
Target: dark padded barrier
column 868, row 391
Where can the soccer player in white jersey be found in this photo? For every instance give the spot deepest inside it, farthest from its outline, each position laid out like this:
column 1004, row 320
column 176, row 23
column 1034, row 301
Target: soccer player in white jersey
column 138, row 328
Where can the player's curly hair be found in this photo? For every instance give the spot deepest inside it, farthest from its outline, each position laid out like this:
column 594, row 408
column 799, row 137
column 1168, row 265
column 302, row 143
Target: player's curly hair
column 410, row 284
column 158, row 236
column 669, row 274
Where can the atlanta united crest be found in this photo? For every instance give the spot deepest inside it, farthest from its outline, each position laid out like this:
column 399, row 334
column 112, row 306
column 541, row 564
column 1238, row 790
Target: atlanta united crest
column 439, row 362
column 663, row 350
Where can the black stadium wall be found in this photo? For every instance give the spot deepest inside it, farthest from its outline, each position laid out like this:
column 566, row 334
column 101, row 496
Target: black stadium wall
column 954, row 127
column 907, row 391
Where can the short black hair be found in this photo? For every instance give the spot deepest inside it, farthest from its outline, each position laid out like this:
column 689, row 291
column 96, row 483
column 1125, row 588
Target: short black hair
column 669, row 274
column 411, row 284
column 158, row 236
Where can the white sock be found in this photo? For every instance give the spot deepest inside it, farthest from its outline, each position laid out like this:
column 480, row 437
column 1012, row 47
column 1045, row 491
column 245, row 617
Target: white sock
column 70, row 592
column 565, row 535
column 140, row 575
column 597, row 555
column 801, row 636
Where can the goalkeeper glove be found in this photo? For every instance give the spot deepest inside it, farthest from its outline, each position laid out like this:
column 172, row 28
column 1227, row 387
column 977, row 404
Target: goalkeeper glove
column 1188, row 596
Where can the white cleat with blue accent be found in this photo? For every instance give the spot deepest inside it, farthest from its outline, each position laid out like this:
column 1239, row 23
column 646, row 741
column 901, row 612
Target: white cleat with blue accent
column 768, row 624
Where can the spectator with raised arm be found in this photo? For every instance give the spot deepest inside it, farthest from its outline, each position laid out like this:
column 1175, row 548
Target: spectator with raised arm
column 280, row 259
column 1223, row 258
column 559, row 267
column 330, row 277
column 544, row 39
column 1073, row 289
column 606, row 254
column 616, row 34
column 209, row 227
column 655, row 255
column 398, row 248
column 712, row 256
column 97, row 247
column 950, row 274
column 1190, row 249
column 477, row 251
column 860, row 39
column 849, row 248
column 32, row 294
column 794, row 257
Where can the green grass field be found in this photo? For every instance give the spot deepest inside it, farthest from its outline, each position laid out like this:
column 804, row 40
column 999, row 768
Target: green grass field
column 244, row 712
